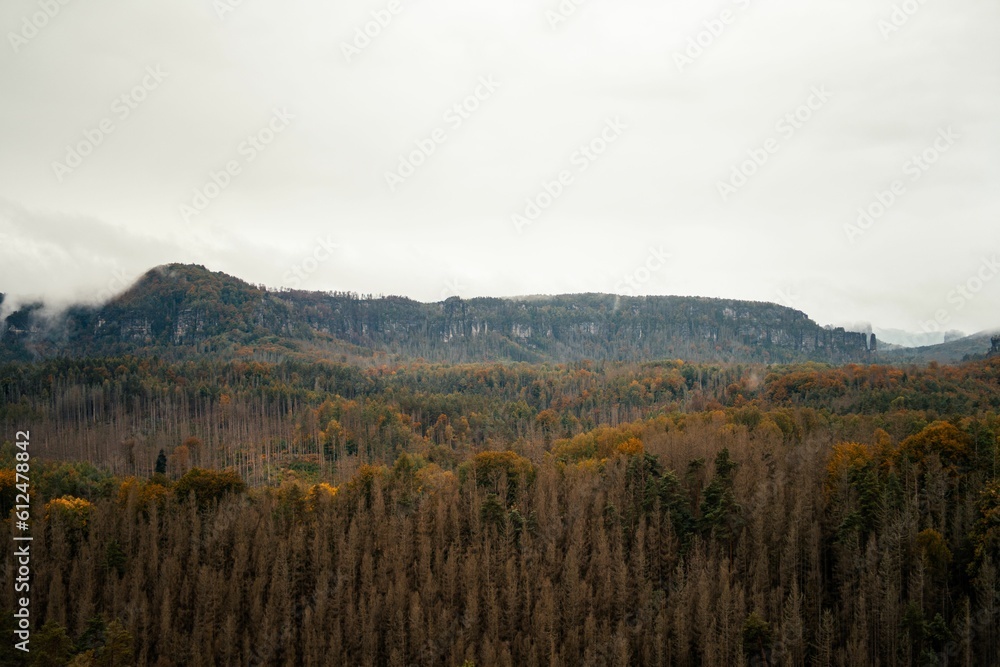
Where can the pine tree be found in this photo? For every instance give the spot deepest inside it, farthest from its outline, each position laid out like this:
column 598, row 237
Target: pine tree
column 161, row 463
column 51, row 646
column 720, row 512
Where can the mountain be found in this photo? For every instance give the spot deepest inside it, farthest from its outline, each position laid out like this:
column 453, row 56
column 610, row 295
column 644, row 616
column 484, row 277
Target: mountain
column 916, row 339
column 976, row 346
column 187, row 311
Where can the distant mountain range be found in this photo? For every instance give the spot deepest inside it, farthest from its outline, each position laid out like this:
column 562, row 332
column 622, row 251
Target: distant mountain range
column 183, row 311
column 916, row 339
column 976, row 346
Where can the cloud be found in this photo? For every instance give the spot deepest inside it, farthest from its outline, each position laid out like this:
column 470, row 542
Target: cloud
column 449, row 223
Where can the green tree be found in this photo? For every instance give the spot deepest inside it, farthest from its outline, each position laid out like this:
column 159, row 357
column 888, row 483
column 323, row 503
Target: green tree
column 92, row 636
column 115, row 558
column 757, row 637
column 720, row 513
column 117, row 649
column 161, row 464
column 51, row 646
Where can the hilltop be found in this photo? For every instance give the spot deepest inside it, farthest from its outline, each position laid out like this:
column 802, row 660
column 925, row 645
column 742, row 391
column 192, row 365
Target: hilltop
column 185, row 311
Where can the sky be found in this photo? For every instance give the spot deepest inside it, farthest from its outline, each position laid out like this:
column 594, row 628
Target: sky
column 839, row 158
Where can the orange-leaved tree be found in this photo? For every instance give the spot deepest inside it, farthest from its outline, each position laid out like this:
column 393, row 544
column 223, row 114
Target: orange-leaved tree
column 950, row 443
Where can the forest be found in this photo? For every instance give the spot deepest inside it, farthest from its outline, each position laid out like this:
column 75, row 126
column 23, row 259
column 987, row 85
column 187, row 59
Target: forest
column 304, row 512
column 182, row 311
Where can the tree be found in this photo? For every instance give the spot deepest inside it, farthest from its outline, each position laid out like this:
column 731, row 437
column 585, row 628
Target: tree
column 720, row 513
column 93, row 635
column 161, row 464
column 986, row 531
column 9, row 655
column 71, row 512
column 8, row 489
column 492, row 467
column 117, row 649
column 209, row 485
column 51, row 646
column 85, row 659
column 547, row 421
column 935, row 553
column 179, row 460
column 757, row 637
column 949, row 442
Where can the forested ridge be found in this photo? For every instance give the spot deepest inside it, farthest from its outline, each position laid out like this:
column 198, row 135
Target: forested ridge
column 180, row 311
column 590, row 513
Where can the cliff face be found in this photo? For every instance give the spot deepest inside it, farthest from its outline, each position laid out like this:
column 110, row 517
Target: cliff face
column 179, row 309
column 580, row 326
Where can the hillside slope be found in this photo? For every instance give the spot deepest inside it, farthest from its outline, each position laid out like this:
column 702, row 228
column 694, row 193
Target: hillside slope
column 975, row 346
column 182, row 311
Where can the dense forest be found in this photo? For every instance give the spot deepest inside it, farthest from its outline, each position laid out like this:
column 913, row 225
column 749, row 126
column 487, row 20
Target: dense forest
column 246, row 512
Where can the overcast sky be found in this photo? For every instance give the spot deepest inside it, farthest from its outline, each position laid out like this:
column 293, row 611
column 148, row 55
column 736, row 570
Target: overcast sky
column 114, row 116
